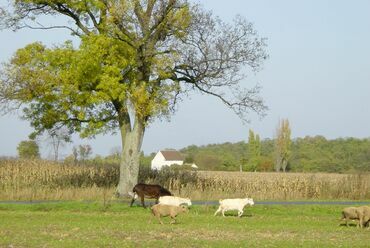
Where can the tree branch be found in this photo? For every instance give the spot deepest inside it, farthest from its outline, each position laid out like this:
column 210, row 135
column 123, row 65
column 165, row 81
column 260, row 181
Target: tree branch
column 41, row 27
column 61, row 8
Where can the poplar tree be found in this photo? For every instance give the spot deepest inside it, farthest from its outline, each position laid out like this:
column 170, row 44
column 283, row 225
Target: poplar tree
column 254, row 150
column 282, row 145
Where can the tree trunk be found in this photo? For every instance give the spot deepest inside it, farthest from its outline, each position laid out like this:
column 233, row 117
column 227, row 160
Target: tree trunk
column 278, row 164
column 284, row 165
column 132, row 139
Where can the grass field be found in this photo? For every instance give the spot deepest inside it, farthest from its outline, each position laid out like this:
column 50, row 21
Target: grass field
column 81, row 224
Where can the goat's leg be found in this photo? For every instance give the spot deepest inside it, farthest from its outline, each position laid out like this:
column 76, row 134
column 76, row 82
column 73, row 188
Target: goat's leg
column 218, row 210
column 132, row 201
column 142, row 201
column 240, row 213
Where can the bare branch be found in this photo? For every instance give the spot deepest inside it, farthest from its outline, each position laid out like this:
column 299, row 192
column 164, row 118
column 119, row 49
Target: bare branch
column 41, row 27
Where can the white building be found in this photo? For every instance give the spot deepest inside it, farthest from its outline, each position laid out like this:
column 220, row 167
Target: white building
column 163, row 158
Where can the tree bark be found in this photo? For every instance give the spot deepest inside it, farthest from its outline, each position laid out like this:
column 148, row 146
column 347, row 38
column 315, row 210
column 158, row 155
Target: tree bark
column 132, row 139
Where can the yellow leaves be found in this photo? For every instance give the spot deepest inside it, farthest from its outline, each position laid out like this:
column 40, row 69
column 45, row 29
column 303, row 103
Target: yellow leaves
column 28, row 54
column 150, row 99
column 162, row 65
column 104, row 70
column 110, row 87
column 140, row 99
column 180, row 20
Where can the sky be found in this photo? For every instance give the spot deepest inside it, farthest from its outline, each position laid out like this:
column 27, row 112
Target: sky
column 317, row 76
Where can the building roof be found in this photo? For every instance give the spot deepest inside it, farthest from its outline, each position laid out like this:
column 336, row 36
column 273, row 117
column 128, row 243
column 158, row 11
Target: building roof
column 172, row 155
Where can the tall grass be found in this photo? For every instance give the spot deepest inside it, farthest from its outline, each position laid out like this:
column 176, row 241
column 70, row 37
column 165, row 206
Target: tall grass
column 44, row 180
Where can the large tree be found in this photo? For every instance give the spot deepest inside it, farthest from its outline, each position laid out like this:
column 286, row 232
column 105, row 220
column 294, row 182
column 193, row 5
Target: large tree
column 135, row 61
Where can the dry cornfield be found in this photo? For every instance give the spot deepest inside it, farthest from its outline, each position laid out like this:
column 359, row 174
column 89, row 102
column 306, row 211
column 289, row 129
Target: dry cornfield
column 44, row 180
column 281, row 186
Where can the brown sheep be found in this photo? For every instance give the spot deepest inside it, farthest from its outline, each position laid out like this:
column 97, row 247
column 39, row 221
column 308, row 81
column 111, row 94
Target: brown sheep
column 350, row 214
column 363, row 214
column 159, row 210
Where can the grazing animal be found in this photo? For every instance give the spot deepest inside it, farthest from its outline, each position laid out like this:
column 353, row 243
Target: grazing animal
column 234, row 204
column 159, row 210
column 363, row 214
column 350, row 213
column 174, row 200
column 151, row 191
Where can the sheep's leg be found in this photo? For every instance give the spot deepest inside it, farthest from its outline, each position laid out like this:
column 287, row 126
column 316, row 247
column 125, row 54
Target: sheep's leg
column 159, row 218
column 358, row 223
column 173, row 221
column 366, row 223
column 218, row 210
column 342, row 219
column 154, row 215
column 361, row 222
column 223, row 212
column 151, row 218
column 347, row 222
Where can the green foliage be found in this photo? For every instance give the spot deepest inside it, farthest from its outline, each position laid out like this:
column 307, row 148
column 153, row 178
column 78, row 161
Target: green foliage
column 72, row 87
column 225, row 156
column 309, row 154
column 339, row 155
column 254, row 151
column 146, row 161
column 282, row 145
column 28, row 149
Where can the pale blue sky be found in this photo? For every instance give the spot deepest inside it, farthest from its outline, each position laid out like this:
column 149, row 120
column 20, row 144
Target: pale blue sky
column 317, row 76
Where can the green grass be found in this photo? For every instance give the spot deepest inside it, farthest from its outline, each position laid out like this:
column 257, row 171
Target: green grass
column 79, row 224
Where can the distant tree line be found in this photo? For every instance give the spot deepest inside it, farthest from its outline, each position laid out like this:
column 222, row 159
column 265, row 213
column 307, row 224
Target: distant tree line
column 308, row 154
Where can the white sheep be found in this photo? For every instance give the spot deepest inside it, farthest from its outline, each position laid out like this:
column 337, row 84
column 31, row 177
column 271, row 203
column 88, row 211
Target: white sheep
column 234, row 204
column 174, row 200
